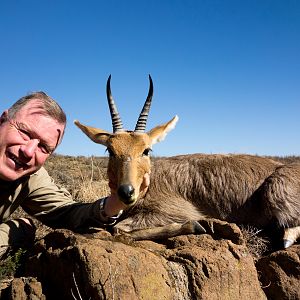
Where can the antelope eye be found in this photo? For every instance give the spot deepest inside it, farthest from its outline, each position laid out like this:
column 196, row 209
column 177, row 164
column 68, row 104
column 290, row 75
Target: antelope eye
column 146, row 152
column 110, row 152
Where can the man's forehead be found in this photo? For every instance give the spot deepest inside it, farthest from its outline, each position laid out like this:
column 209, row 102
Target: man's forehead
column 34, row 106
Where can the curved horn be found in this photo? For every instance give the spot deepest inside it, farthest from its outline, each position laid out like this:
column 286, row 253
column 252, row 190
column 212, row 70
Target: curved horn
column 115, row 117
column 142, row 120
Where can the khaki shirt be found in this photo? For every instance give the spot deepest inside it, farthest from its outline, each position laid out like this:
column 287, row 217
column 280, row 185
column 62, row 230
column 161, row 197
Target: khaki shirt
column 40, row 197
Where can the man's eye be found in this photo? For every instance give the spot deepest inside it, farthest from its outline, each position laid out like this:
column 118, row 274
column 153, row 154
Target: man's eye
column 45, row 149
column 24, row 133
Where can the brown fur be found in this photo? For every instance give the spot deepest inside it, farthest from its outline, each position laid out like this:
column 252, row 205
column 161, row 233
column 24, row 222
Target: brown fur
column 237, row 188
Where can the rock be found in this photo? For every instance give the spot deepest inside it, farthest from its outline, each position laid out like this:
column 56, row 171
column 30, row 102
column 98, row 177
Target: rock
column 216, row 269
column 97, row 266
column 280, row 274
column 23, row 289
column 98, row 269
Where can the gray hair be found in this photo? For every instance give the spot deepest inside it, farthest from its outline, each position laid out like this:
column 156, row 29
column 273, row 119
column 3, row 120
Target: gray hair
column 49, row 106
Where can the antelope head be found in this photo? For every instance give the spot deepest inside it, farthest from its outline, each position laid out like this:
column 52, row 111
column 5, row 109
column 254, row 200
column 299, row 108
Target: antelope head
column 129, row 159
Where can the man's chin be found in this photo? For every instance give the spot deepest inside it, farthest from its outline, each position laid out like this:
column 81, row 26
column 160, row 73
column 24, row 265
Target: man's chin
column 15, row 175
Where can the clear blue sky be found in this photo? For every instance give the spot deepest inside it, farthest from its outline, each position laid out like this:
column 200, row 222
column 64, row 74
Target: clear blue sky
column 229, row 69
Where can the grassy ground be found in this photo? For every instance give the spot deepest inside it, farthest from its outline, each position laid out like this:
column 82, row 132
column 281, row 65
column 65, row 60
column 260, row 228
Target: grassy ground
column 84, row 177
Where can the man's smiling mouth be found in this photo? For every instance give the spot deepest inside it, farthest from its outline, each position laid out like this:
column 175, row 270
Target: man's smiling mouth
column 19, row 164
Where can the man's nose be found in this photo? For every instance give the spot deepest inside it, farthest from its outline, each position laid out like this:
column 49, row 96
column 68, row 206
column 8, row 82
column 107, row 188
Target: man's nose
column 30, row 147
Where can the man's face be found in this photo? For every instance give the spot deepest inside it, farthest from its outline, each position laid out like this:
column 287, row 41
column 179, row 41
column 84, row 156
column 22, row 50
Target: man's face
column 26, row 141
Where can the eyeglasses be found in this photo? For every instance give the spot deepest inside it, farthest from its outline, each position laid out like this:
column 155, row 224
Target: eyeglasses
column 27, row 135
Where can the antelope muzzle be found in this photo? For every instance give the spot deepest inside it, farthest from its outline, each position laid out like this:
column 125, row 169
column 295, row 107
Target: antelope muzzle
column 126, row 192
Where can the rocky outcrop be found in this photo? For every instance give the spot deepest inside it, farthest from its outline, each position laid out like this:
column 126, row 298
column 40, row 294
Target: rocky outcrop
column 24, row 288
column 208, row 266
column 280, row 274
column 98, row 266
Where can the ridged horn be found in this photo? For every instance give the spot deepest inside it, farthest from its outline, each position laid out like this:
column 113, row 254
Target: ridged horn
column 115, row 117
column 142, row 120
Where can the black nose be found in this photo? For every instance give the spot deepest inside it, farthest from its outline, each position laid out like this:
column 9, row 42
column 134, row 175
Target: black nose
column 125, row 191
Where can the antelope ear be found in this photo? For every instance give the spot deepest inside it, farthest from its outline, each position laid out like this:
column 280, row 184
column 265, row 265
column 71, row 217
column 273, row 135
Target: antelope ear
column 98, row 136
column 158, row 133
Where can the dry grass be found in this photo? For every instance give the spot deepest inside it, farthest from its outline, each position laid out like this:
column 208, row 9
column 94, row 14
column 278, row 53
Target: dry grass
column 286, row 159
column 256, row 244
column 84, row 177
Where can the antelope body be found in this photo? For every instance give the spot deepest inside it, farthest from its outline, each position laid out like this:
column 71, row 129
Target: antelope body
column 243, row 189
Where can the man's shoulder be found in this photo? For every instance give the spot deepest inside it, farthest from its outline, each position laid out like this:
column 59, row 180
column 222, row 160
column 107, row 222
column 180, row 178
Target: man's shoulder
column 40, row 172
column 40, row 177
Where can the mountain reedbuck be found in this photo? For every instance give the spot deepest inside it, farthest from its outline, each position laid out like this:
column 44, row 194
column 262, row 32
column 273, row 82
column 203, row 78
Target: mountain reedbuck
column 184, row 189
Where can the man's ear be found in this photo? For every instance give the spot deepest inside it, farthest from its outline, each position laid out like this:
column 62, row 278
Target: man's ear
column 158, row 133
column 4, row 117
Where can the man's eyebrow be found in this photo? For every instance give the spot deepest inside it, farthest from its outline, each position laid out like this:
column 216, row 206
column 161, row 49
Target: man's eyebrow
column 23, row 125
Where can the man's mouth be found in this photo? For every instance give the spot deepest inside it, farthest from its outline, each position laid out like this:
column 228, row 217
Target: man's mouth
column 19, row 164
